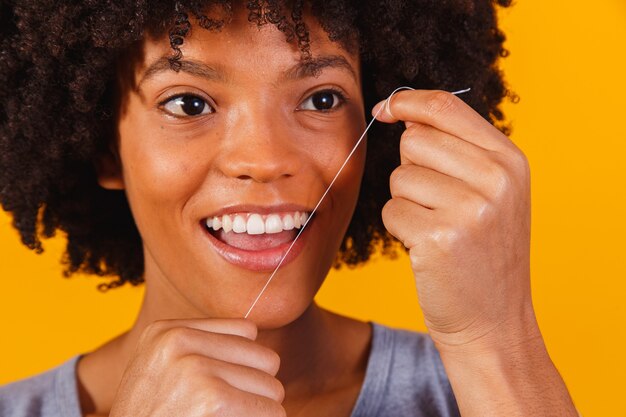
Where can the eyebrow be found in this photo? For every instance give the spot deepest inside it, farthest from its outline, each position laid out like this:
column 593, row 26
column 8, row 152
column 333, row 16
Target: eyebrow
column 194, row 68
column 307, row 68
column 314, row 66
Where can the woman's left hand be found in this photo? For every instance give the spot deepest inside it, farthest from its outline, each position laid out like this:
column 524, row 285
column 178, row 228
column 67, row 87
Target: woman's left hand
column 461, row 205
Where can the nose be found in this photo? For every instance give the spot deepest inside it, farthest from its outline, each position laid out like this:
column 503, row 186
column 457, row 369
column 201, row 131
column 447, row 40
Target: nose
column 257, row 146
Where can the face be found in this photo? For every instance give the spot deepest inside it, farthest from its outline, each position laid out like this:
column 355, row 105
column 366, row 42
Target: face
column 224, row 160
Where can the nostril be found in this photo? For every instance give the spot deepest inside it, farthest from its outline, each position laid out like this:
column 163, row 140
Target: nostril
column 244, row 177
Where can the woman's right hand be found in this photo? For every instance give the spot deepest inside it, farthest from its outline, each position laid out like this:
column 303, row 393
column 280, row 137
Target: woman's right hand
column 200, row 367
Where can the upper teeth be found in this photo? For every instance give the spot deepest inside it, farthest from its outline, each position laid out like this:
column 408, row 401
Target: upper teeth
column 257, row 224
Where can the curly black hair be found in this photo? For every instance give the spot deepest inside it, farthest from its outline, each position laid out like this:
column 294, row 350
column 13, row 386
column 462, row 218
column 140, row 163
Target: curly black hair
column 58, row 86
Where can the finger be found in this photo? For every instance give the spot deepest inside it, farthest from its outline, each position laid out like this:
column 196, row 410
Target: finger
column 427, row 187
column 232, row 401
column 239, row 327
column 402, row 218
column 180, row 341
column 430, row 147
column 446, row 112
column 241, row 377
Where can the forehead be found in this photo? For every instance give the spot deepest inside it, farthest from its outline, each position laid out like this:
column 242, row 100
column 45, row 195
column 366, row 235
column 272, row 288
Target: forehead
column 242, row 47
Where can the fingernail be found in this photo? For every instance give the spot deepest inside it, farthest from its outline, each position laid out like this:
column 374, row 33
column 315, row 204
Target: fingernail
column 377, row 108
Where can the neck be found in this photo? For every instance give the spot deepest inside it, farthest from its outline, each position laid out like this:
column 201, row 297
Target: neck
column 300, row 344
column 314, row 349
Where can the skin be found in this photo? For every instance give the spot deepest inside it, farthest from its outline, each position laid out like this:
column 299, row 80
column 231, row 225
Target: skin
column 460, row 204
column 258, row 147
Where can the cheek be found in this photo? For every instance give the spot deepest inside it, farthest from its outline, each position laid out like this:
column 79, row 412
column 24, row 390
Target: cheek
column 331, row 146
column 161, row 170
column 347, row 184
column 157, row 174
column 345, row 192
column 338, row 206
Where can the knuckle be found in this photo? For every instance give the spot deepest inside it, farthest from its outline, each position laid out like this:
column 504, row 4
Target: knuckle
column 440, row 103
column 397, row 180
column 388, row 210
column 521, row 163
column 205, row 395
column 171, row 341
column 482, row 210
column 153, row 329
column 215, row 385
column 418, row 259
column 445, row 237
column 394, row 215
column 409, row 141
column 500, row 179
column 173, row 336
column 417, row 130
column 406, row 145
column 190, row 364
column 214, row 398
column 392, row 210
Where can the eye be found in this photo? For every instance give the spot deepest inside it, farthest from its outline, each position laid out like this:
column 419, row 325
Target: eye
column 322, row 101
column 186, row 105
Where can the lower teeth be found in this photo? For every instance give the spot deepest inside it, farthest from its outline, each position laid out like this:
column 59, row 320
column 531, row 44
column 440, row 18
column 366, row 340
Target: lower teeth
column 254, row 242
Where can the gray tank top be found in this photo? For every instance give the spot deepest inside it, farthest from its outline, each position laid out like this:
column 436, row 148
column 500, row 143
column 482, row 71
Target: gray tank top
column 404, row 377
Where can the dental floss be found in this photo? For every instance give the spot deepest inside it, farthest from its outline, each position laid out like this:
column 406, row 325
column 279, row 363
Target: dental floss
column 386, row 107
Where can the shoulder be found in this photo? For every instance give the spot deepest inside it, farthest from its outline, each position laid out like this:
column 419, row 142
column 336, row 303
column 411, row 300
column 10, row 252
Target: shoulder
column 407, row 376
column 49, row 394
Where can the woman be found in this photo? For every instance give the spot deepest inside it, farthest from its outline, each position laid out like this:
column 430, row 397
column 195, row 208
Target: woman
column 185, row 144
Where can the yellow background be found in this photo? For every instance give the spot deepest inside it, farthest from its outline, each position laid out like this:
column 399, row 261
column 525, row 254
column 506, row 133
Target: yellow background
column 568, row 64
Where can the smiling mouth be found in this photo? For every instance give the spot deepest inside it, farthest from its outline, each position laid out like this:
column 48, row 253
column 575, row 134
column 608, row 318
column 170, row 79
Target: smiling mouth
column 256, row 232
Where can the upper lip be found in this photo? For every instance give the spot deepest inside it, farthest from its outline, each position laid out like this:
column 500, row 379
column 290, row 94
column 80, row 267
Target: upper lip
column 255, row 208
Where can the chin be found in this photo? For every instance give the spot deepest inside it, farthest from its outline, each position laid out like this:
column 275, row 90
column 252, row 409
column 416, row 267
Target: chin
column 278, row 314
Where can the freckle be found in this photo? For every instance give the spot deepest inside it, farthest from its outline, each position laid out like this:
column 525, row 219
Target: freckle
column 161, row 127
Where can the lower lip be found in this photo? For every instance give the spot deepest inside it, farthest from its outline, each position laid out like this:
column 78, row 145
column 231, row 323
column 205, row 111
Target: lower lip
column 266, row 260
